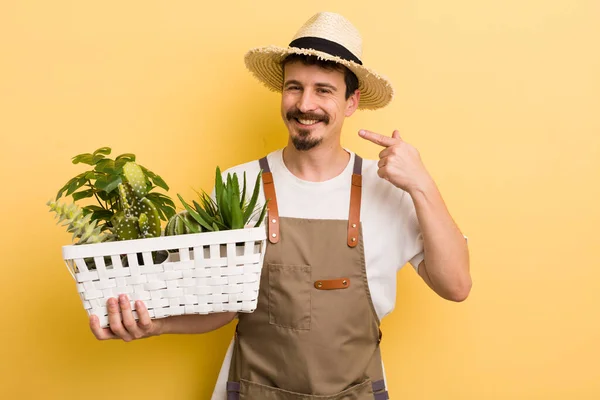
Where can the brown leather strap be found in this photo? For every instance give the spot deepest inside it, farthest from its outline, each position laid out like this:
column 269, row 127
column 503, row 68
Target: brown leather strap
column 355, row 197
column 332, row 284
column 272, row 210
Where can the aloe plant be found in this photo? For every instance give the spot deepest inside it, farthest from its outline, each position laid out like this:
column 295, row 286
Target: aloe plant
column 228, row 210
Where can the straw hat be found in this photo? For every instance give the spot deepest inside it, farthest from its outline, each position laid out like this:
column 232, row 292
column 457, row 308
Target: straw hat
column 328, row 36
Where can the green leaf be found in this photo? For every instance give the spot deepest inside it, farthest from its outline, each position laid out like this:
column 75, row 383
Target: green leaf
column 108, row 184
column 236, row 211
column 106, row 165
column 262, row 215
column 85, row 158
column 92, row 175
column 157, row 180
column 191, row 227
column 243, row 200
column 101, row 214
column 218, row 186
column 209, row 219
column 76, row 185
column 103, row 150
column 194, row 214
column 66, row 186
column 169, row 212
column 224, row 207
column 97, row 158
column 126, row 157
column 254, row 198
column 83, row 194
column 93, row 208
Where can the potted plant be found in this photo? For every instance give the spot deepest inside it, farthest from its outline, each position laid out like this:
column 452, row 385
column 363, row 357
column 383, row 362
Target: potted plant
column 216, row 258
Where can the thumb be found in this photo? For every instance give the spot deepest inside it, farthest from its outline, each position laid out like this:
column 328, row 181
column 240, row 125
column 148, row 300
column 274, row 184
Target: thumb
column 396, row 135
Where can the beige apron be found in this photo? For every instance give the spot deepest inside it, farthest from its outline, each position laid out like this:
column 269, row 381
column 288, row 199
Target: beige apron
column 315, row 333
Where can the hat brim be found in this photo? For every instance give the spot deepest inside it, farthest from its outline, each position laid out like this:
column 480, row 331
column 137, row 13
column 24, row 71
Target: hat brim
column 265, row 64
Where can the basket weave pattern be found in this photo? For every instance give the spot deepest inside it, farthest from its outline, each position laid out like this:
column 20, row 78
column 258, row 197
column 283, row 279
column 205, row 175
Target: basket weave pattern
column 204, row 273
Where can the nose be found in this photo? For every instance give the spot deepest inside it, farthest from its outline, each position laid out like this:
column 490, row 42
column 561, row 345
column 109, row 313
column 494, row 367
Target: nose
column 306, row 102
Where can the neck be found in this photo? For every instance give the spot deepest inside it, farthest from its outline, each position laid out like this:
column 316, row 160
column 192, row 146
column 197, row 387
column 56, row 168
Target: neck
column 316, row 165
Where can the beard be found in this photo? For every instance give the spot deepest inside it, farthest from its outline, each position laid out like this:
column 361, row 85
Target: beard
column 302, row 141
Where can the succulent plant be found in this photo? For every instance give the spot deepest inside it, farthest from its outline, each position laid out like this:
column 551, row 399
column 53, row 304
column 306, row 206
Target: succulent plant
column 178, row 224
column 102, row 183
column 82, row 227
column 229, row 209
column 139, row 217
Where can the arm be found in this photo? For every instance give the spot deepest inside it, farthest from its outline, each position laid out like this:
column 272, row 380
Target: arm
column 446, row 265
column 124, row 326
column 445, row 268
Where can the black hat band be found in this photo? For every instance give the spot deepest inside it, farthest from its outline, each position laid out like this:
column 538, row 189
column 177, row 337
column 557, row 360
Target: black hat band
column 326, row 46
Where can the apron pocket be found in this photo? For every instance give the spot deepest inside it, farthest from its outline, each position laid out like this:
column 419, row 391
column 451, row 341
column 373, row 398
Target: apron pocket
column 289, row 295
column 256, row 391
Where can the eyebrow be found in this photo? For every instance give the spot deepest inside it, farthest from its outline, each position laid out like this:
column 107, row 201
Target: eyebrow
column 318, row 84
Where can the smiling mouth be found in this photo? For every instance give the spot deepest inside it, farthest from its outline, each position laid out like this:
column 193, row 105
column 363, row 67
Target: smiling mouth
column 307, row 122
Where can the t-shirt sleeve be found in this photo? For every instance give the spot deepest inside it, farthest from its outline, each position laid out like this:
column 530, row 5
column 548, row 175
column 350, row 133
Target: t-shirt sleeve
column 413, row 234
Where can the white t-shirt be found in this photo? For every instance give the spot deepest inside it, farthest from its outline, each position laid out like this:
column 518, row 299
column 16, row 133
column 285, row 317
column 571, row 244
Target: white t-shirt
column 391, row 232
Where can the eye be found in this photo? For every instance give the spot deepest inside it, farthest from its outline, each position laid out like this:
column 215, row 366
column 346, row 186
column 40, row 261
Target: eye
column 323, row 90
column 292, row 88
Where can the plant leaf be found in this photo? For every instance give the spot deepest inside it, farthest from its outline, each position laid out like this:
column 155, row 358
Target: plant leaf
column 194, row 214
column 76, row 185
column 83, row 194
column 85, row 158
column 191, row 227
column 106, row 165
column 254, row 199
column 93, row 208
column 218, row 186
column 243, row 200
column 101, row 214
column 262, row 215
column 97, row 158
column 103, row 150
column 125, row 157
column 109, row 183
column 157, row 180
column 236, row 211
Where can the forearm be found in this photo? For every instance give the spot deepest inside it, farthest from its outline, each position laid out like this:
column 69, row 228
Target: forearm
column 445, row 248
column 195, row 323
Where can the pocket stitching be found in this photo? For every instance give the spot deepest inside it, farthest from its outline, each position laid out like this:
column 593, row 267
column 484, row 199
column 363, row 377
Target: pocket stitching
column 309, row 270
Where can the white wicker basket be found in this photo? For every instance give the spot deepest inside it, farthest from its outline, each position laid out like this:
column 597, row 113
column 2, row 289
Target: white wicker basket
column 208, row 272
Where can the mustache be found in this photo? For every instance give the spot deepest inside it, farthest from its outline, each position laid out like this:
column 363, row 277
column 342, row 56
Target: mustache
column 297, row 114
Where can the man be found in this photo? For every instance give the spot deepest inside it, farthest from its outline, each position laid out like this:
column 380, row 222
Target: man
column 339, row 228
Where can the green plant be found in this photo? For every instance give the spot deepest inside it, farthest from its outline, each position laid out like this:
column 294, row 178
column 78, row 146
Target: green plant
column 229, row 209
column 82, row 227
column 139, row 217
column 123, row 190
column 177, row 226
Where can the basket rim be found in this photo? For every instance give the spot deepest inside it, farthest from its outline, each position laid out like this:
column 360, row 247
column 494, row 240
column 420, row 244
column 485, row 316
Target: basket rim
column 74, row 251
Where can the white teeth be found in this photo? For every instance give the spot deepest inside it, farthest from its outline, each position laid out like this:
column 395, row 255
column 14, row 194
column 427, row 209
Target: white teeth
column 307, row 121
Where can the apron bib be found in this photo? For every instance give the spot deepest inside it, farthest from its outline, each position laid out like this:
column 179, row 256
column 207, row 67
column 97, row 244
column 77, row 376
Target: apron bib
column 314, row 333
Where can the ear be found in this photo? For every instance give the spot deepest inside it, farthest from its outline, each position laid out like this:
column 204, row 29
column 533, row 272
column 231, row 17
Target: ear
column 352, row 103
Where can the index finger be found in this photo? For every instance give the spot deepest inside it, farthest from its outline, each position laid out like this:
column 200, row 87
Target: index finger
column 376, row 138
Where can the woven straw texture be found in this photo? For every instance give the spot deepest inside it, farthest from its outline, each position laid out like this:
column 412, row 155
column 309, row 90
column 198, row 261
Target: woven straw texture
column 265, row 62
column 204, row 273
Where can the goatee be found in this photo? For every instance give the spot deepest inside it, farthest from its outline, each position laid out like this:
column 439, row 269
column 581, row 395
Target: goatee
column 303, row 142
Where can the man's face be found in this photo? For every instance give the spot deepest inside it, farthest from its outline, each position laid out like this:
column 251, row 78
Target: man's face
column 314, row 105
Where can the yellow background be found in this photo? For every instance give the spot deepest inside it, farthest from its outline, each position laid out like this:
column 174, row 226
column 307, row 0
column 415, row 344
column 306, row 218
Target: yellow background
column 502, row 98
